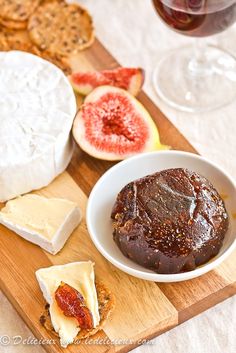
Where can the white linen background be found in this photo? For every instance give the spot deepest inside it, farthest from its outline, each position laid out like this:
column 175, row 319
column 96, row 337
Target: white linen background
column 132, row 32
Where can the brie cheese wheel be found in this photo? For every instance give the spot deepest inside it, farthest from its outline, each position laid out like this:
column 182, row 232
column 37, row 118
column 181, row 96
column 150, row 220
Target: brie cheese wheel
column 79, row 275
column 42, row 221
column 37, row 108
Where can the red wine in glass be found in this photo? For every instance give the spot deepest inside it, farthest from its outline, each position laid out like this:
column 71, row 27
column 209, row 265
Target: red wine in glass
column 202, row 78
column 197, row 18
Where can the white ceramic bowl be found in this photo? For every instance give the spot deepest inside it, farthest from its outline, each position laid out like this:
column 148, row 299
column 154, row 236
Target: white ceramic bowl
column 106, row 189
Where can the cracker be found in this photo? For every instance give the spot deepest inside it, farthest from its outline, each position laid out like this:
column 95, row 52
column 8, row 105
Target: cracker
column 57, row 60
column 16, row 44
column 106, row 302
column 61, row 28
column 14, row 34
column 10, row 40
column 13, row 24
column 17, row 10
column 15, row 40
column 6, row 33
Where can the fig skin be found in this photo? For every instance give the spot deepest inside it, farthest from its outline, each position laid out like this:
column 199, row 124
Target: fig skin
column 130, row 79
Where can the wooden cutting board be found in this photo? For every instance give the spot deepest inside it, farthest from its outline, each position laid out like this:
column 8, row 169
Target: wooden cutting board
column 143, row 309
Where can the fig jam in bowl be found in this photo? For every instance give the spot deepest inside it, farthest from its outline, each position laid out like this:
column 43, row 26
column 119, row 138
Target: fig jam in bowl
column 104, row 195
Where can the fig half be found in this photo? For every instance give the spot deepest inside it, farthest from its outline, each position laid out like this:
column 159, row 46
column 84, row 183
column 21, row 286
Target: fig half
column 113, row 125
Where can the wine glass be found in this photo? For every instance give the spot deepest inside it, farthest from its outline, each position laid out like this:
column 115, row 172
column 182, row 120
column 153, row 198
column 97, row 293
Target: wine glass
column 203, row 78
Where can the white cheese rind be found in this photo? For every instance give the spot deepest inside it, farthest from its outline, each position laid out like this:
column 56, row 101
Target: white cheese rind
column 65, row 227
column 79, row 275
column 37, row 108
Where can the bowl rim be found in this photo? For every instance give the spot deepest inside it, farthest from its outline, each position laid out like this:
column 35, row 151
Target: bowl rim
column 153, row 276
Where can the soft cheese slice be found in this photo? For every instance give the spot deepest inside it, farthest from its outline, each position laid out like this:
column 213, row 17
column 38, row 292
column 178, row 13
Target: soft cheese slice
column 79, row 275
column 47, row 222
column 37, row 109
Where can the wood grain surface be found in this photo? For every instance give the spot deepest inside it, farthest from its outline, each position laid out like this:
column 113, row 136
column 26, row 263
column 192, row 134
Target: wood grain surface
column 143, row 309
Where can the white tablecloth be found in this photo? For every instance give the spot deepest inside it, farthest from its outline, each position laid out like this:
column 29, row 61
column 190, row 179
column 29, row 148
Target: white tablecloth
column 135, row 36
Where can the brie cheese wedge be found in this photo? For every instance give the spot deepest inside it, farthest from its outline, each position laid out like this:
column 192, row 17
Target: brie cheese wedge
column 79, row 275
column 47, row 222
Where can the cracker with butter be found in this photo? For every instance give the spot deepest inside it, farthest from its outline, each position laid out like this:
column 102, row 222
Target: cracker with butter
column 80, row 278
column 61, row 28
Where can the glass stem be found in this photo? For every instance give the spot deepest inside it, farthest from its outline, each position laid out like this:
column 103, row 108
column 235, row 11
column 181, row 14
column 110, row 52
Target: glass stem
column 199, row 64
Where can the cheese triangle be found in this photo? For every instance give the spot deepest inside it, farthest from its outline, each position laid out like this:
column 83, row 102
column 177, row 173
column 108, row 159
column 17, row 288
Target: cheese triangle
column 79, row 275
column 47, row 222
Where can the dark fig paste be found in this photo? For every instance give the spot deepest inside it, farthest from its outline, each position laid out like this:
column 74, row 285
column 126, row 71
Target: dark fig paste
column 171, row 221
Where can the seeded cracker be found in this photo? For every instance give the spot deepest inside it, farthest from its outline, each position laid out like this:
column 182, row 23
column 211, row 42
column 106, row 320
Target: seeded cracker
column 13, row 24
column 17, row 10
column 6, row 33
column 56, row 59
column 7, row 45
column 13, row 40
column 61, row 28
column 106, row 302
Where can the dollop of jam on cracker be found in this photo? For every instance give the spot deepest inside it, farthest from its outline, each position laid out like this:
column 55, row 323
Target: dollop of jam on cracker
column 72, row 303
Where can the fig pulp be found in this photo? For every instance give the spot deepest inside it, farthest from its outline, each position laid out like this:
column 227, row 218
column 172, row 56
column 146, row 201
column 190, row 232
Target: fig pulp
column 72, row 303
column 113, row 125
